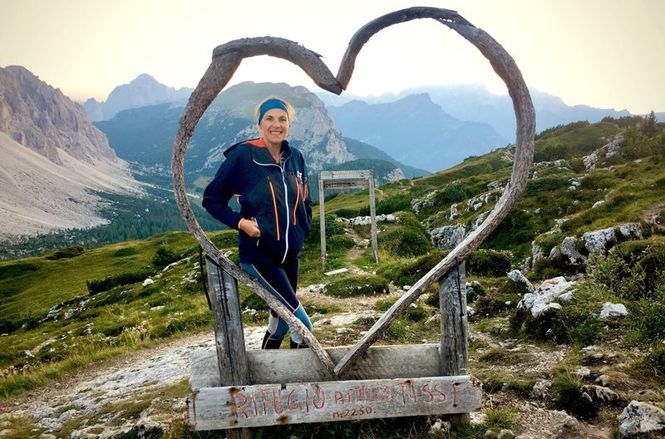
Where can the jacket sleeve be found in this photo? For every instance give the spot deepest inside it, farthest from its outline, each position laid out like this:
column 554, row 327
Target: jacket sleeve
column 220, row 190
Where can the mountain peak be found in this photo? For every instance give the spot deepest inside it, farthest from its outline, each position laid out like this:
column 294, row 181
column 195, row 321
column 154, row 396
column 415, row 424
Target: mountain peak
column 142, row 91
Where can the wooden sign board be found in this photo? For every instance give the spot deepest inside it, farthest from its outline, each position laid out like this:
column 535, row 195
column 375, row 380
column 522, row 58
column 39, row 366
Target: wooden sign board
column 346, row 184
column 213, row 408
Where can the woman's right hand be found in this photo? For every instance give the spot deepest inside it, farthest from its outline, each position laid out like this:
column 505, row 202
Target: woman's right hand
column 250, row 227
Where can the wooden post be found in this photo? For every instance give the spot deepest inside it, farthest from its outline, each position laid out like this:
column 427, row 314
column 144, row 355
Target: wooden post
column 454, row 342
column 229, row 336
column 372, row 214
column 322, row 221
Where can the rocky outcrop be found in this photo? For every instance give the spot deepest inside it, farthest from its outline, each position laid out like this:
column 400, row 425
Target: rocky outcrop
column 447, row 237
column 542, row 299
column 640, row 418
column 41, row 118
column 605, row 151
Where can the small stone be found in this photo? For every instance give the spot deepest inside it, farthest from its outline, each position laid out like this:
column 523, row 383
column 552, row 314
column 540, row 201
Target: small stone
column 147, row 282
column 505, row 434
column 583, row 372
column 603, row 380
column 613, row 310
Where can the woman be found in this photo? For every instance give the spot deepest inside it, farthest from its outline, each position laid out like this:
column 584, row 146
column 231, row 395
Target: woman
column 270, row 179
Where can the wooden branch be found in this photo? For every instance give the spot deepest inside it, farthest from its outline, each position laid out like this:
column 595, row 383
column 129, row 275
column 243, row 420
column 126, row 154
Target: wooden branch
column 307, row 60
column 213, row 81
column 363, row 34
column 506, row 68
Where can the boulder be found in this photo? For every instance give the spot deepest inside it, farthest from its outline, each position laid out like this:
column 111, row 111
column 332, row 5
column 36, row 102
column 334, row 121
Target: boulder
column 568, row 248
column 641, row 418
column 630, row 230
column 447, row 237
column 613, row 310
column 550, row 290
column 517, row 277
column 541, row 389
column 600, row 240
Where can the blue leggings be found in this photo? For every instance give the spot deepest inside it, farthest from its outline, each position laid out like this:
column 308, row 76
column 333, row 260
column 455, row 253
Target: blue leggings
column 282, row 282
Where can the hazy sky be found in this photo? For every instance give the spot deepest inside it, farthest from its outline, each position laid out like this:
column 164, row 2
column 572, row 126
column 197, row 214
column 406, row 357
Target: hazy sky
column 605, row 53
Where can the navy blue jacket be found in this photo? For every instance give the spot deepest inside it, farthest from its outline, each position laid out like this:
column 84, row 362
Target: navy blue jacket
column 276, row 195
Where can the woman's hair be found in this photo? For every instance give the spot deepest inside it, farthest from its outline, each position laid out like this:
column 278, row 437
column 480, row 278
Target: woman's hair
column 290, row 111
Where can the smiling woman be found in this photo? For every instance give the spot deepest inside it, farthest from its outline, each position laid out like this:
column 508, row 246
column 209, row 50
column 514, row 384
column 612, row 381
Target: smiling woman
column 270, row 180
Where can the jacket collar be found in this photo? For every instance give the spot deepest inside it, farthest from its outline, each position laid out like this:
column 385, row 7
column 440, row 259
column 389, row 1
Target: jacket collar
column 260, row 152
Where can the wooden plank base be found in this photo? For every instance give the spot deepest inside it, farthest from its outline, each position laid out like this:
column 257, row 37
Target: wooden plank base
column 300, row 365
column 230, row 407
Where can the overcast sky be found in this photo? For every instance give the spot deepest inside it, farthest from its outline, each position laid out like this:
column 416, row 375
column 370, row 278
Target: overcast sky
column 605, row 53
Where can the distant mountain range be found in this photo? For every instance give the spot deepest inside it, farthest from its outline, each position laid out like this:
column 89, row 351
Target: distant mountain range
column 145, row 135
column 474, row 103
column 142, row 91
column 416, row 131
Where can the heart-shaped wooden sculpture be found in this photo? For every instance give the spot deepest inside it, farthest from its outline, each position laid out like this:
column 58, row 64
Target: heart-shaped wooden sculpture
column 227, row 58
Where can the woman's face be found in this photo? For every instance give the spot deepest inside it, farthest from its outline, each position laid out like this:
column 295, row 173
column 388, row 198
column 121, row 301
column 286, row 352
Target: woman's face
column 274, row 126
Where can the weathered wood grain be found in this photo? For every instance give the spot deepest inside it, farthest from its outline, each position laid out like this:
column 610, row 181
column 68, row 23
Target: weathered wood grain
column 229, row 338
column 454, row 328
column 300, row 365
column 213, row 408
column 231, row 358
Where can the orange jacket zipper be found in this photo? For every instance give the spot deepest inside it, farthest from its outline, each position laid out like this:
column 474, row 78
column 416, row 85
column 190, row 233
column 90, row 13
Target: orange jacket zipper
column 295, row 206
column 274, row 205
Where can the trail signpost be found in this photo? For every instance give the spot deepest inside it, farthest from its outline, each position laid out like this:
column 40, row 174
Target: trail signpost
column 237, row 389
column 347, row 180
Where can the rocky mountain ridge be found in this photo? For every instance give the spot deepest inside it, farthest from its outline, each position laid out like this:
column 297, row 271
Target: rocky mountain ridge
column 142, row 91
column 41, row 118
column 54, row 163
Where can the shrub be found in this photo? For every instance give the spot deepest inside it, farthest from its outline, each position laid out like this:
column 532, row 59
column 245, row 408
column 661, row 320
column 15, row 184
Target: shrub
column 408, row 272
column 567, row 392
column 647, row 321
column 125, row 251
column 332, row 228
column 655, row 360
column 164, row 257
column 98, row 286
column 226, row 239
column 69, row 252
column 393, row 203
column 361, row 285
column 633, row 270
column 414, row 313
column 452, row 193
column 384, row 304
column 566, row 325
column 491, row 263
column 403, row 241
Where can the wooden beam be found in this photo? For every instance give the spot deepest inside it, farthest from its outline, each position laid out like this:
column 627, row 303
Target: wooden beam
column 322, row 222
column 299, row 365
column 454, row 328
column 214, row 408
column 372, row 214
column 231, row 364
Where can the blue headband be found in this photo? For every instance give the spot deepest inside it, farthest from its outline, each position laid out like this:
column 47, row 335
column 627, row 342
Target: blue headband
column 271, row 104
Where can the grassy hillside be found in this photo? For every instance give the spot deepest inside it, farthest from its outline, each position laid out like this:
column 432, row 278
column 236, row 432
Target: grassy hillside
column 75, row 306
